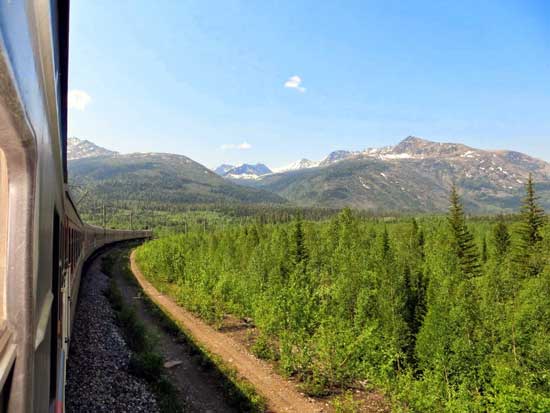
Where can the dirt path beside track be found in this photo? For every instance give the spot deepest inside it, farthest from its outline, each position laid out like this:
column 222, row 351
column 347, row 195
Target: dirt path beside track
column 198, row 387
column 280, row 394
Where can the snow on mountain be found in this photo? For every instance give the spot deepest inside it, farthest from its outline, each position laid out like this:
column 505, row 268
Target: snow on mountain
column 246, row 171
column 223, row 169
column 297, row 165
column 337, row 156
column 79, row 148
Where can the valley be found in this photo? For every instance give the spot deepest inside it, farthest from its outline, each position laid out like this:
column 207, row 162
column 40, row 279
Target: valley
column 411, row 177
column 359, row 280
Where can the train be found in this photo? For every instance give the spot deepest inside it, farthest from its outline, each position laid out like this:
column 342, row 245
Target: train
column 44, row 242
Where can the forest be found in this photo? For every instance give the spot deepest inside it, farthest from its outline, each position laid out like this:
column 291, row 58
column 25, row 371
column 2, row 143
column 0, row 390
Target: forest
column 442, row 313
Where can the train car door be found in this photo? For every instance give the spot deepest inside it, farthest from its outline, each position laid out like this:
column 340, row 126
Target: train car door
column 57, row 359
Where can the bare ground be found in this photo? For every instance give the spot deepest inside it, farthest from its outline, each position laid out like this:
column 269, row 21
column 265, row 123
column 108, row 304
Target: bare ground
column 280, row 394
column 198, row 386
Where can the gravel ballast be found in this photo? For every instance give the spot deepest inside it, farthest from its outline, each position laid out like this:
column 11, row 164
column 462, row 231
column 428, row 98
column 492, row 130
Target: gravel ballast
column 97, row 370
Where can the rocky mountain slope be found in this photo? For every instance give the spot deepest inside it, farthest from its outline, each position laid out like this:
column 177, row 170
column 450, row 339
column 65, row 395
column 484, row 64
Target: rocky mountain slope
column 414, row 175
column 81, row 148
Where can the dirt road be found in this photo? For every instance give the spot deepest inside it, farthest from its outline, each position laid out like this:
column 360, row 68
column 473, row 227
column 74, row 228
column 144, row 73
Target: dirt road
column 198, row 388
column 281, row 395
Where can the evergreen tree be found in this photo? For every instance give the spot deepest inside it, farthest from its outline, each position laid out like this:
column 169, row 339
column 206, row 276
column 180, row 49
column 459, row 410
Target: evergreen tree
column 532, row 217
column 299, row 251
column 484, row 253
column 417, row 239
column 385, row 242
column 501, row 237
column 464, row 246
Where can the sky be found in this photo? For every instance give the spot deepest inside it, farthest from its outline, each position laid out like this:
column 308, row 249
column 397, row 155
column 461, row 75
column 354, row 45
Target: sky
column 275, row 81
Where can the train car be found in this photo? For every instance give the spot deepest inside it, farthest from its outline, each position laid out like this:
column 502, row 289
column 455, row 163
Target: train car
column 43, row 241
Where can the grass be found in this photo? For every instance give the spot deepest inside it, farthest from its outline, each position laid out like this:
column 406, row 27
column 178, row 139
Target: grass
column 238, row 391
column 145, row 362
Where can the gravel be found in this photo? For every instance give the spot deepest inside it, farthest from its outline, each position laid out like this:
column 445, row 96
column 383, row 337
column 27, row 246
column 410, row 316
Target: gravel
column 97, row 370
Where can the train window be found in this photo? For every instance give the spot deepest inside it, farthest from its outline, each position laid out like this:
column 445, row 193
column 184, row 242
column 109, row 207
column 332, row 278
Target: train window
column 3, row 227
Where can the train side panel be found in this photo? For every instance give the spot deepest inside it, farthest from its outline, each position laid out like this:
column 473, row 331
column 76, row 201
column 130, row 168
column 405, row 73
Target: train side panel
column 43, row 241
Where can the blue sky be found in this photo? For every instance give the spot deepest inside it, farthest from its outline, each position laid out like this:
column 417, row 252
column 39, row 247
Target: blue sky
column 206, row 79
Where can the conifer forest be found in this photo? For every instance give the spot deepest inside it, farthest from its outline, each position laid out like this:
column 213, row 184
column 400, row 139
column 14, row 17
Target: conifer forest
column 446, row 313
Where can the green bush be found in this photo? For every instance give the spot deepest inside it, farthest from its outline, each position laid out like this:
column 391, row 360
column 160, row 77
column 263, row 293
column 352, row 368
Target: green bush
column 146, row 365
column 444, row 313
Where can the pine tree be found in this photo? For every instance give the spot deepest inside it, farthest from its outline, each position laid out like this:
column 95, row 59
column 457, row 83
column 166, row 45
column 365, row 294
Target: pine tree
column 501, row 238
column 463, row 240
column 417, row 239
column 299, row 251
column 385, row 243
column 532, row 217
column 484, row 253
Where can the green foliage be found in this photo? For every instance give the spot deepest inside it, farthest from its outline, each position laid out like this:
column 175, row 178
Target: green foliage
column 501, row 237
column 533, row 217
column 529, row 233
column 463, row 241
column 145, row 362
column 402, row 304
column 146, row 365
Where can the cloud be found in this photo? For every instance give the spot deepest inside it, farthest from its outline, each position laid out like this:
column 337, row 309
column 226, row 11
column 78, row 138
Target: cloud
column 78, row 99
column 241, row 146
column 294, row 82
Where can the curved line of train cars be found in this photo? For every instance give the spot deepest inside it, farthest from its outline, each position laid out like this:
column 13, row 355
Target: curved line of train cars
column 43, row 241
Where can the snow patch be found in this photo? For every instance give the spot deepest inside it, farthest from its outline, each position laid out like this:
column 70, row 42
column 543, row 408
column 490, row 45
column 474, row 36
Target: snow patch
column 297, row 165
column 468, row 154
column 396, row 156
column 243, row 176
column 363, row 183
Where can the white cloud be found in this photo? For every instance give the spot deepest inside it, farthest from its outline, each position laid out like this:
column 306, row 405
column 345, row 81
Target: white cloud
column 294, row 82
column 240, row 146
column 78, row 99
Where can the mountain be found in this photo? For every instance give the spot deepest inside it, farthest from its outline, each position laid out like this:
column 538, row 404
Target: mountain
column 301, row 164
column 223, row 169
column 335, row 157
column 247, row 171
column 157, row 179
column 414, row 175
column 79, row 149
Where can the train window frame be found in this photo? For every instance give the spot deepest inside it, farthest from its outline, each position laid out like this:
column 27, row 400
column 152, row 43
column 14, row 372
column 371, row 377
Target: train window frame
column 4, row 204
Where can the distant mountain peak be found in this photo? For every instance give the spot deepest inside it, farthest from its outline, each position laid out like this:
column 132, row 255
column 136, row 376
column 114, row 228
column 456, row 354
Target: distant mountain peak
column 223, row 169
column 419, row 147
column 336, row 156
column 82, row 148
column 411, row 141
column 246, row 171
column 297, row 165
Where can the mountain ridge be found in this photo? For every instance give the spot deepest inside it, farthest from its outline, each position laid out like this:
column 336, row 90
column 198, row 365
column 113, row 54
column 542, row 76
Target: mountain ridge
column 83, row 148
column 157, row 178
column 414, row 175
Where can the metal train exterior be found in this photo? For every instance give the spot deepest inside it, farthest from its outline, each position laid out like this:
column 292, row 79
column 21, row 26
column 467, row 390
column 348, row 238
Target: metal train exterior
column 43, row 241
